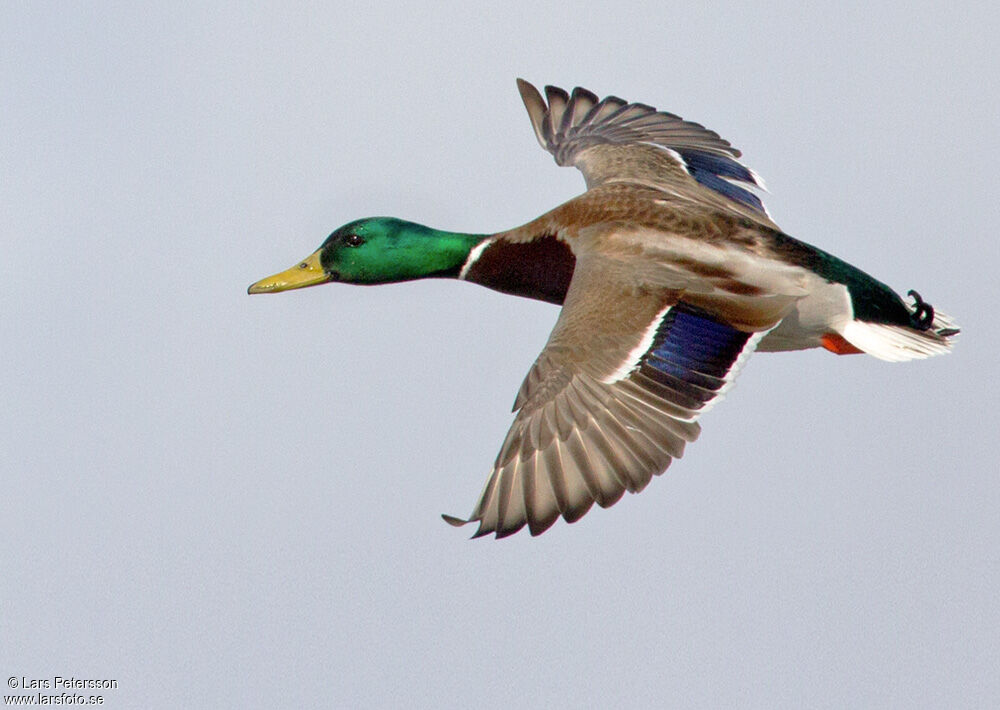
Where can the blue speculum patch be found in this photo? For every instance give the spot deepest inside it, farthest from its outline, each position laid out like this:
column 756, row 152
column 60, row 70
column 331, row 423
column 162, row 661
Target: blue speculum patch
column 728, row 189
column 711, row 170
column 692, row 353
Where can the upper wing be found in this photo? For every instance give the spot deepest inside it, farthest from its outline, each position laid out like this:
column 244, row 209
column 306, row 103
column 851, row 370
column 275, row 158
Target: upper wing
column 612, row 140
column 611, row 400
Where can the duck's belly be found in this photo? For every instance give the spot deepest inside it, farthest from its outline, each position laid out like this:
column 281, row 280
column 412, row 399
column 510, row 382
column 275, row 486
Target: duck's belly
column 825, row 310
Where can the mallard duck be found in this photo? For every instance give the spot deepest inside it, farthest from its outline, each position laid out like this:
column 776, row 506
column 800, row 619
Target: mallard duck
column 670, row 274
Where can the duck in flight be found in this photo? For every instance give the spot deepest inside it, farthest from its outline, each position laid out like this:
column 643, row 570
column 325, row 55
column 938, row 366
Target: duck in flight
column 670, row 274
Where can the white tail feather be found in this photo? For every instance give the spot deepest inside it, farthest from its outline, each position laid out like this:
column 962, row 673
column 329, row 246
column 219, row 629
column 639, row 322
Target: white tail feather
column 897, row 343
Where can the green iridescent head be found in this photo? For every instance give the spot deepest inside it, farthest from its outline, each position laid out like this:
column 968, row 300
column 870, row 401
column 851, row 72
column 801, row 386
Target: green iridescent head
column 377, row 250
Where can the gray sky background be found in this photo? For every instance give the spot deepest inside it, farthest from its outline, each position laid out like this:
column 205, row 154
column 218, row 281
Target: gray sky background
column 225, row 501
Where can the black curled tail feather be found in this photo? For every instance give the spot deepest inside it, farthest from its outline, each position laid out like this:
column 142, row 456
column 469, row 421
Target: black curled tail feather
column 922, row 317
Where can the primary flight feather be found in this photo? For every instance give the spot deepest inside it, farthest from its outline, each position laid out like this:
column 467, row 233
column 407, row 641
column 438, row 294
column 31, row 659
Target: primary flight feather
column 670, row 274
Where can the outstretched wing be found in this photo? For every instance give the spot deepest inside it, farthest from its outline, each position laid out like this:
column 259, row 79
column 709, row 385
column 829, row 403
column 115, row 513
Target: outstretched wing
column 611, row 140
column 610, row 402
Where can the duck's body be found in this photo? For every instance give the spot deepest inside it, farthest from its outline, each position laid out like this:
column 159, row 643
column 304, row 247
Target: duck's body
column 719, row 260
column 670, row 274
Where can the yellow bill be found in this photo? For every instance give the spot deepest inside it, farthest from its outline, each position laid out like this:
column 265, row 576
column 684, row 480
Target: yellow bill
column 305, row 273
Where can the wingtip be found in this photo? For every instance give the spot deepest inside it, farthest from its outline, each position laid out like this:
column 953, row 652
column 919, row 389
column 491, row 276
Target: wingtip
column 535, row 105
column 528, row 91
column 453, row 521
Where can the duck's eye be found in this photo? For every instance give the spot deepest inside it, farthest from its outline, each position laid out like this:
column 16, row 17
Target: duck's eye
column 354, row 240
